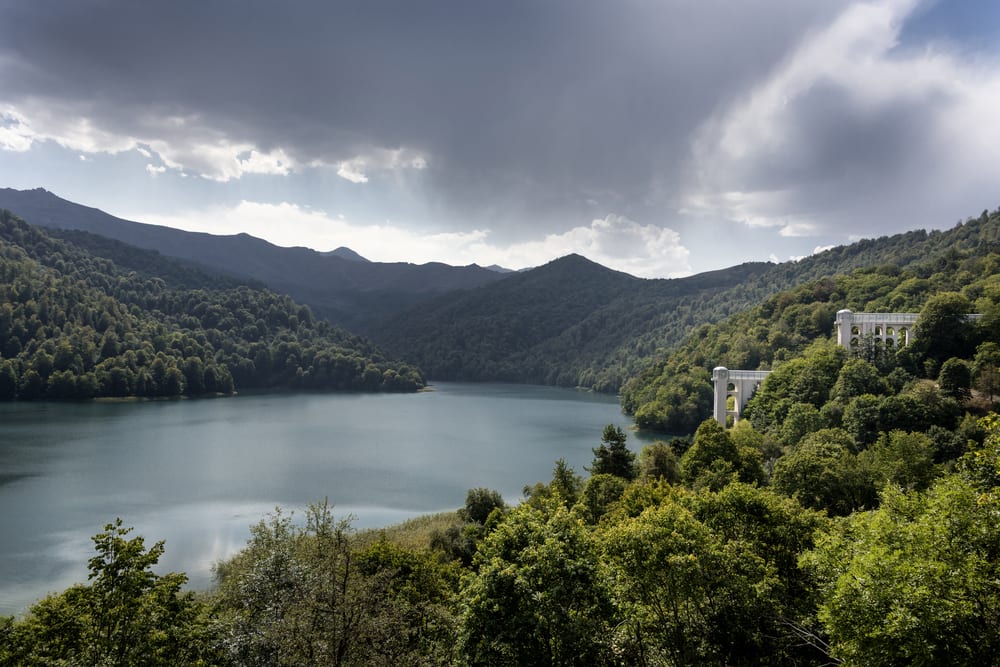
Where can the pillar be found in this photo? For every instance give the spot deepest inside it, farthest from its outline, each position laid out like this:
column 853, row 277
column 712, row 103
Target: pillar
column 720, row 378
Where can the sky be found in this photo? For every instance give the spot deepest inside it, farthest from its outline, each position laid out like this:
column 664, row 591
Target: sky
column 657, row 137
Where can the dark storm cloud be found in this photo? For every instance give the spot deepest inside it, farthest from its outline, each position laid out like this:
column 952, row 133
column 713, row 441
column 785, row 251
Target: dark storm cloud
column 557, row 110
column 856, row 133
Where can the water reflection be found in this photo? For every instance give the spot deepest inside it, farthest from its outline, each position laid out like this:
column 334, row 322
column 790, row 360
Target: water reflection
column 198, row 473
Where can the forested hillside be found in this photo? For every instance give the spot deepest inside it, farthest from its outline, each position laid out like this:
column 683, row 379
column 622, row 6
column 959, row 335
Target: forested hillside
column 74, row 325
column 575, row 323
column 675, row 394
column 347, row 292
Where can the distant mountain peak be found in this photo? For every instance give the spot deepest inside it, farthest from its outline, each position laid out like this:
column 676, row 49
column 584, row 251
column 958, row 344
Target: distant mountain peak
column 346, row 253
column 496, row 268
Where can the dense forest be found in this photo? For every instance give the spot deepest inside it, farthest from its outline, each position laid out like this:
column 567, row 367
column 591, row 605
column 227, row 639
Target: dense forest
column 674, row 394
column 576, row 323
column 850, row 518
column 75, row 325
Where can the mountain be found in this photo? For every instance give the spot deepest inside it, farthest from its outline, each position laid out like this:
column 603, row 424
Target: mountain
column 346, row 290
column 674, row 393
column 571, row 322
column 575, row 323
column 77, row 325
column 345, row 253
column 499, row 269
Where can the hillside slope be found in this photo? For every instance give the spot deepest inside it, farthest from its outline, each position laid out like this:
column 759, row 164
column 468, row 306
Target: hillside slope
column 341, row 288
column 575, row 323
column 74, row 325
column 673, row 394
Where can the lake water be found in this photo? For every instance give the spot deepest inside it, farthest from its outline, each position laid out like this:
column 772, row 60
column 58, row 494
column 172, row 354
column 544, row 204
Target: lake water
column 198, row 473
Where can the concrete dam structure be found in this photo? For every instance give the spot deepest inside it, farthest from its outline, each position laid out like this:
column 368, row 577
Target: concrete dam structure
column 892, row 330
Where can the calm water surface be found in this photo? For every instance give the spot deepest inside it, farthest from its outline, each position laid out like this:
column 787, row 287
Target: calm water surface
column 198, row 473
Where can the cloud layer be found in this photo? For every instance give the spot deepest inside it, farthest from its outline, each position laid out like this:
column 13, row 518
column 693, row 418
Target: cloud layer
column 628, row 130
column 647, row 251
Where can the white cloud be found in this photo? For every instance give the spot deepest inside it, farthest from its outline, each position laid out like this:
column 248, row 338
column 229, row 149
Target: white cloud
column 274, row 162
column 853, row 127
column 15, row 135
column 155, row 169
column 799, row 229
column 355, row 169
column 647, row 251
column 190, row 146
column 181, row 142
column 83, row 158
column 614, row 241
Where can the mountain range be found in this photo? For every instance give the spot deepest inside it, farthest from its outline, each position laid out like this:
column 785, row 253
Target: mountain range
column 571, row 322
column 341, row 286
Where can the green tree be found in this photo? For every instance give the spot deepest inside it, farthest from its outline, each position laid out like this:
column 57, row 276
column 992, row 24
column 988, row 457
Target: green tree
column 480, row 503
column 8, row 380
column 659, row 461
column 693, row 586
column 942, row 330
column 801, row 420
column 955, row 379
column 312, row 596
column 612, row 457
column 537, row 596
column 713, row 460
column 914, row 582
column 857, row 377
column 861, row 419
column 127, row 615
column 599, row 493
column 822, row 473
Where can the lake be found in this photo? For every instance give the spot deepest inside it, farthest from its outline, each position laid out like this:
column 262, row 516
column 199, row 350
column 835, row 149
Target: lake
column 198, row 473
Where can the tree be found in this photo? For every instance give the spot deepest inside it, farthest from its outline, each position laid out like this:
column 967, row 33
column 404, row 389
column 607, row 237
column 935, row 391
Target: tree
column 688, row 592
column 857, row 377
column 942, row 330
column 659, row 461
column 914, row 582
column 823, row 474
column 311, row 596
column 8, row 380
column 612, row 457
column 801, row 420
column 955, row 379
column 537, row 597
column 905, row 460
column 480, row 503
column 600, row 492
column 127, row 615
column 986, row 370
column 861, row 419
column 713, row 460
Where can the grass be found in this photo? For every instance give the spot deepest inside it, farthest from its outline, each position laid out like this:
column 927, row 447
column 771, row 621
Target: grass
column 414, row 533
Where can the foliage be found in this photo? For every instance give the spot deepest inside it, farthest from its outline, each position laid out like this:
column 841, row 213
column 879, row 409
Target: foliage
column 612, row 457
column 707, row 578
column 537, row 596
column 914, row 582
column 714, row 460
column 480, row 503
column 312, row 596
column 659, row 461
column 126, row 615
column 76, row 326
column 942, row 275
column 823, row 473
